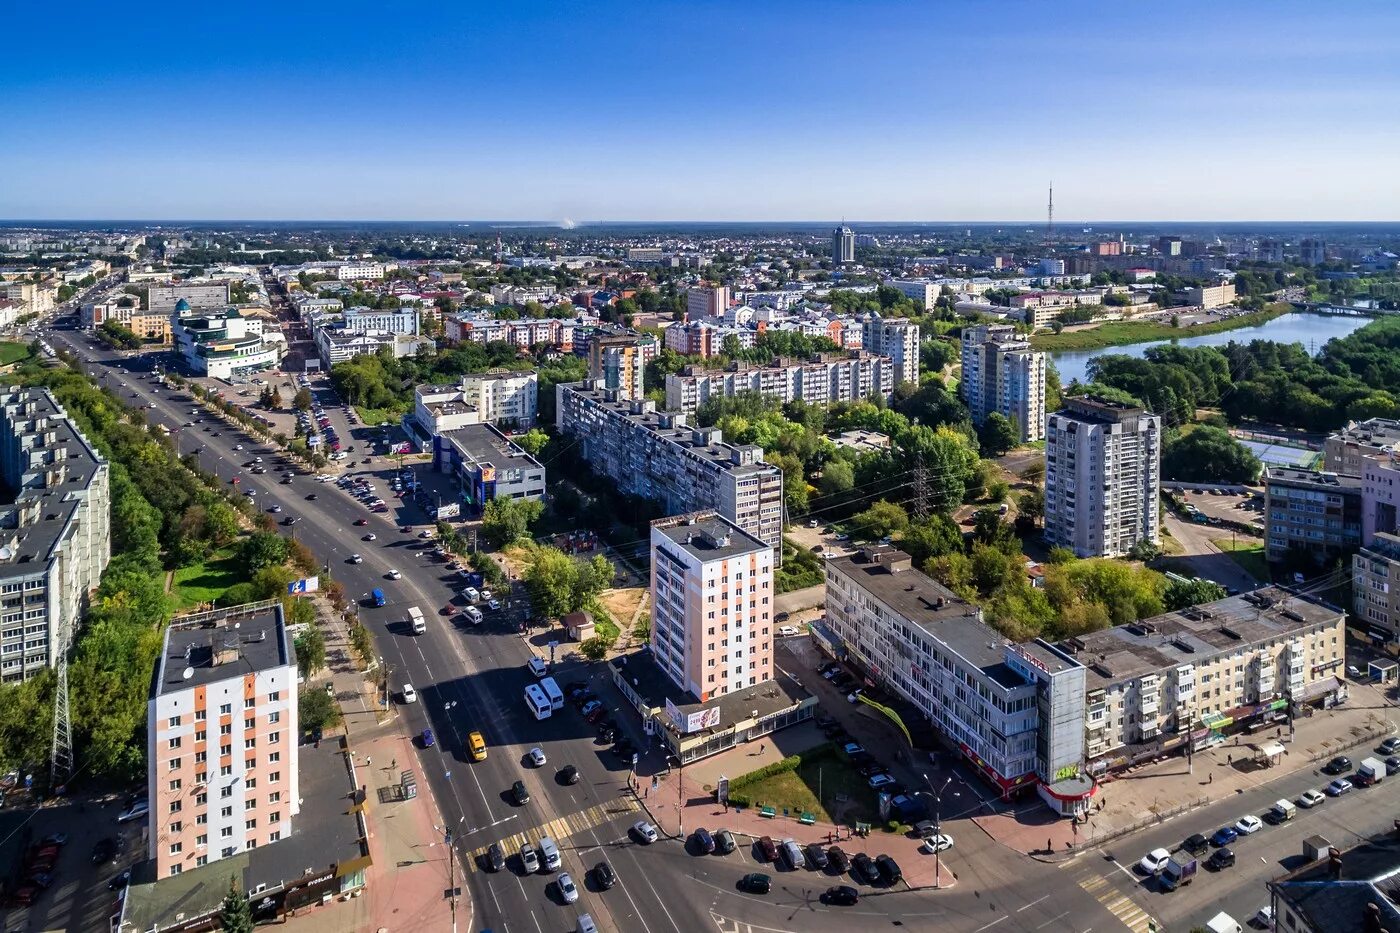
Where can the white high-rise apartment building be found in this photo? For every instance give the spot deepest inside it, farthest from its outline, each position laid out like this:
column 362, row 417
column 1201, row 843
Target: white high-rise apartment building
column 897, row 338
column 1001, row 373
column 1102, row 477
column 712, row 604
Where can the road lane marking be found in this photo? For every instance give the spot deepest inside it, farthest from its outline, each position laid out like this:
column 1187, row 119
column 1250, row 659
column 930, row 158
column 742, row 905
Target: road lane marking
column 1032, row 903
column 987, row 926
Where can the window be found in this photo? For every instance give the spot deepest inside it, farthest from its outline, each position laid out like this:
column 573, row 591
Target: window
column 175, row 784
column 201, row 840
column 175, row 742
column 250, row 723
column 225, row 750
column 226, row 832
column 226, row 811
column 201, row 819
column 174, row 764
column 226, row 729
column 250, row 743
column 274, row 777
column 174, row 806
column 226, row 792
column 273, row 837
column 247, row 702
column 274, row 757
column 226, row 709
column 201, row 860
column 173, row 721
column 274, row 718
column 274, row 696
column 274, row 797
column 176, row 826
column 250, row 782
column 274, row 736
column 228, row 851
column 250, row 824
column 201, row 735
column 199, row 715
column 250, row 803
column 176, row 869
column 250, row 764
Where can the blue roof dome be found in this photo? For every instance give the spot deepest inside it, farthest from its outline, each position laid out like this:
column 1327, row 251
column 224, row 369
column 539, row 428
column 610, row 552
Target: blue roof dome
column 182, row 305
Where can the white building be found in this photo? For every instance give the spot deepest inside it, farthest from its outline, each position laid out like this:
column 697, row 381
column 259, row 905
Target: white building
column 359, row 271
column 363, row 320
column 824, row 380
column 712, row 604
column 924, row 292
column 1001, row 373
column 501, row 397
column 897, row 338
column 225, row 344
column 1102, row 477
column 521, row 294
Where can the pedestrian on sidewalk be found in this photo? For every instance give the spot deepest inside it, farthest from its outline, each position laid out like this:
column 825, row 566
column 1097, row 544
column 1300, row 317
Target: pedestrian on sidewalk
column 368, row 761
column 1229, row 759
column 1210, row 779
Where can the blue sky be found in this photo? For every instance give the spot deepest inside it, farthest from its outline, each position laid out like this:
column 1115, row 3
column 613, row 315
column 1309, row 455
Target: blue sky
column 702, row 110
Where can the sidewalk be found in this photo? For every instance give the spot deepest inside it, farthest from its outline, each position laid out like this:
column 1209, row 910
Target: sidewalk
column 1154, row 792
column 406, row 887
column 681, row 802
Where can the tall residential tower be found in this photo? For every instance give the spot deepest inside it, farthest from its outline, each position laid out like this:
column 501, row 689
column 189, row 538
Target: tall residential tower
column 1001, row 373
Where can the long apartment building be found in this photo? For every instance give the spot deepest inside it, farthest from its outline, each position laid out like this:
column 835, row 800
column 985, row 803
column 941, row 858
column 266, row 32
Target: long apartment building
column 55, row 531
column 222, row 735
column 897, row 338
column 1310, row 514
column 1001, row 373
column 1102, row 477
column 1375, row 585
column 712, row 604
column 823, row 380
column 1014, row 711
column 659, row 456
column 1194, row 675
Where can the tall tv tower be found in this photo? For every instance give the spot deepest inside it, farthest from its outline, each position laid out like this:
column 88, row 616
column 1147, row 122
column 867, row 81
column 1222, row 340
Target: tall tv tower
column 1050, row 218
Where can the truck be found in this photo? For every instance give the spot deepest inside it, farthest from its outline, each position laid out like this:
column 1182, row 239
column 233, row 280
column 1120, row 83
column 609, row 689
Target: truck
column 416, row 620
column 1282, row 811
column 1178, row 872
column 376, row 596
column 1371, row 771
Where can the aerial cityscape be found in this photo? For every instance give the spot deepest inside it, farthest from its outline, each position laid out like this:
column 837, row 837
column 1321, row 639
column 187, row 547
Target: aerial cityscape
column 730, row 481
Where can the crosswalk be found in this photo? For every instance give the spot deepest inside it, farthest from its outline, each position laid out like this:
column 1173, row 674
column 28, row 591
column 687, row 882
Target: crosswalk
column 1119, row 904
column 560, row 828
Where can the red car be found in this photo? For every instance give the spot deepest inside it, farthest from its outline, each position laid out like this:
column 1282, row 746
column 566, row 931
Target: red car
column 768, row 848
column 361, row 521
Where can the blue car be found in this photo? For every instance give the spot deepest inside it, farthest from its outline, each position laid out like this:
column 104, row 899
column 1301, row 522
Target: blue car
column 428, row 739
column 1224, row 836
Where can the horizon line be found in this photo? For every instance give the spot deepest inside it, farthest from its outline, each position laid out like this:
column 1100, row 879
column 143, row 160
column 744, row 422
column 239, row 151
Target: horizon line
column 575, row 224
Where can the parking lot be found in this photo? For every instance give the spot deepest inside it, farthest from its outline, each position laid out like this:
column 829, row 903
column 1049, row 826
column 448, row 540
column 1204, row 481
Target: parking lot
column 1220, row 506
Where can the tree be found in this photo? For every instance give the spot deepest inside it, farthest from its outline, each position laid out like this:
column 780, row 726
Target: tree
column 532, row 441
column 550, row 581
column 881, row 520
column 302, row 400
column 275, row 399
column 998, row 434
column 1208, row 455
column 838, row 476
column 263, row 549
column 935, row 536
column 1030, row 507
column 317, row 710
column 311, row 650
column 595, row 648
column 1182, row 593
column 235, row 913
column 504, row 521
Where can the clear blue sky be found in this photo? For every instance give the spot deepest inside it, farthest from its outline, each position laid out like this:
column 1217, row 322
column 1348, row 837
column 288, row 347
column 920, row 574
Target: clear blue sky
column 764, row 109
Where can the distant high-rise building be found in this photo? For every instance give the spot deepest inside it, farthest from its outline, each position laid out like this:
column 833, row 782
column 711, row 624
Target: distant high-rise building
column 1001, row 373
column 1102, row 477
column 843, row 245
column 706, row 303
column 897, row 338
column 1313, row 252
column 699, row 562
column 1169, row 245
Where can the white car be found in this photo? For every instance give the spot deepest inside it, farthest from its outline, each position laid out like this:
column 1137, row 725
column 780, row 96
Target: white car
column 235, row 446
column 567, row 889
column 1310, row 798
column 486, row 594
column 1249, row 825
column 537, row 757
column 135, row 812
column 787, row 631
column 939, row 843
column 1153, row 861
column 425, row 534
column 356, row 559
column 394, row 575
column 492, row 604
column 409, row 694
column 645, row 831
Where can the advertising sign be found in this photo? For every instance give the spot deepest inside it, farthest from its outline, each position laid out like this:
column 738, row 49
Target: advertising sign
column 692, row 722
column 449, row 510
column 305, row 585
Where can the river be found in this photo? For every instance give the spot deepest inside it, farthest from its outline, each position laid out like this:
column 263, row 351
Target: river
column 1311, row 330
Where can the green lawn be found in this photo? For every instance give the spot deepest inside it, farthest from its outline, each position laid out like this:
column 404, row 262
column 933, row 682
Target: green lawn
column 205, row 582
column 374, row 416
column 1249, row 554
column 797, row 791
column 13, row 353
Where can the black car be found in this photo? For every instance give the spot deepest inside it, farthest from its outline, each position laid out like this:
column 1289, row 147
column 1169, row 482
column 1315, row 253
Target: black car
column 1221, row 858
column 495, row 858
column 756, row 882
column 1392, row 764
column 1196, row 844
column 119, row 880
column 311, row 497
column 843, row 895
column 1390, row 746
column 888, row 869
column 863, row 869
column 1339, row 765
column 724, row 842
column 604, row 876
column 520, row 793
column 816, row 857
column 104, row 851
column 569, row 775
column 704, row 841
column 838, row 859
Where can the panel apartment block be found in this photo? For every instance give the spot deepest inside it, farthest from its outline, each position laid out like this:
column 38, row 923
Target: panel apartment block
column 55, row 531
column 1001, row 373
column 1344, row 451
column 824, row 380
column 1102, row 477
column 897, row 338
column 222, row 731
column 1310, row 514
column 712, row 594
column 658, row 456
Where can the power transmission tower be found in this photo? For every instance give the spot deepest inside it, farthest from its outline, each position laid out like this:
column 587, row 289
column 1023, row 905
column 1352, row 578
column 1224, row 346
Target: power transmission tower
column 61, row 764
column 920, row 487
column 1050, row 219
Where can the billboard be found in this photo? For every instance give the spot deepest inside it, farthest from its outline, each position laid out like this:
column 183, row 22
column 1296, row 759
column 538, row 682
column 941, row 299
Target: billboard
column 304, row 585
column 402, row 447
column 692, row 722
column 448, row 510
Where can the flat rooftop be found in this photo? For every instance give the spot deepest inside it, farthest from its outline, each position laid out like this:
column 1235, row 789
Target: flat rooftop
column 706, row 536
column 650, row 682
column 326, row 834
column 1381, row 433
column 888, row 574
column 215, row 646
column 1193, row 635
column 41, row 512
column 1092, row 409
column 1300, row 477
column 482, row 443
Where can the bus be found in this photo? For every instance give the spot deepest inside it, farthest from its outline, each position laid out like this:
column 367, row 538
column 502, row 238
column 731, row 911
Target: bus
column 537, row 703
column 551, row 690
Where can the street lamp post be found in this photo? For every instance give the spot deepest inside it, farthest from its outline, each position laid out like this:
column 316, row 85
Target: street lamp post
column 937, row 796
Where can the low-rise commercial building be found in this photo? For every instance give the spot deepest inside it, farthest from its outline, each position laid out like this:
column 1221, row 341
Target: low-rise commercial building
column 659, row 456
column 824, row 380
column 225, row 344
column 55, row 530
column 1351, row 891
column 1212, row 296
column 486, row 465
column 334, row 345
column 1310, row 515
column 521, row 294
column 1196, row 675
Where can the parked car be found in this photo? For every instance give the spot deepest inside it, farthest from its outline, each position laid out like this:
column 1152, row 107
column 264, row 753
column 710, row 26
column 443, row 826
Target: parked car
column 704, row 841
column 1224, row 836
column 768, row 848
column 1339, row 765
column 1248, row 825
column 816, row 857
column 724, row 842
column 1310, row 798
column 1338, row 787
column 838, row 859
column 1196, row 844
column 1220, row 859
column 134, row 812
column 1390, row 746
column 863, row 869
column 888, row 869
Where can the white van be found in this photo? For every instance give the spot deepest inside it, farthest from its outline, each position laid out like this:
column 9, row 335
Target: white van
column 473, row 615
column 549, row 854
column 471, row 594
column 537, row 667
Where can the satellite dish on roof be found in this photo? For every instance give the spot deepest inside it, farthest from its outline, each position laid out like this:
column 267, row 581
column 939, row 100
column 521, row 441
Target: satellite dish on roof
column 6, row 553
column 189, row 672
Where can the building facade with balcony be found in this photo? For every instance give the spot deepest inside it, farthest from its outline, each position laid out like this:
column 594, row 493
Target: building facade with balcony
column 824, row 380
column 1310, row 516
column 1375, row 584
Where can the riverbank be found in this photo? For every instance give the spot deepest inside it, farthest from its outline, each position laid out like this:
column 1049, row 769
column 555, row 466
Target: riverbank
column 1116, row 333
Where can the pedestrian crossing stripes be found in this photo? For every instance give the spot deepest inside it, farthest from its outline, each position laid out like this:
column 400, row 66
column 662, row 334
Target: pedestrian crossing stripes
column 1120, row 905
column 560, row 828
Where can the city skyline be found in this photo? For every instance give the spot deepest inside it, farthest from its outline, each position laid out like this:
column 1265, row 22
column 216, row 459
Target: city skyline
column 949, row 113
